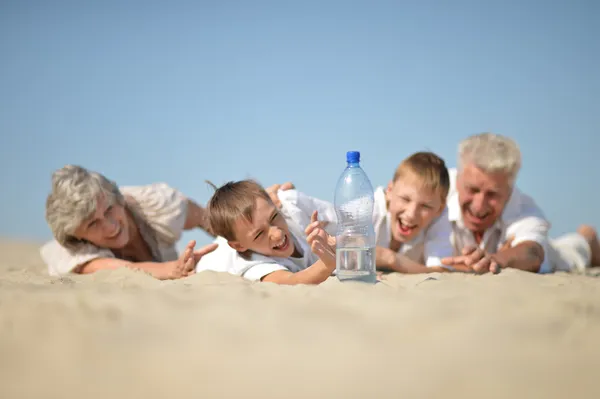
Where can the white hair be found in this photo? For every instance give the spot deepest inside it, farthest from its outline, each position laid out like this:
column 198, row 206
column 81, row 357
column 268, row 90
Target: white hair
column 491, row 153
column 74, row 198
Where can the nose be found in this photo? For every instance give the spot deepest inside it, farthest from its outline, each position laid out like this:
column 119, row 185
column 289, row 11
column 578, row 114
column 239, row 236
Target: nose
column 478, row 203
column 275, row 234
column 110, row 225
column 410, row 212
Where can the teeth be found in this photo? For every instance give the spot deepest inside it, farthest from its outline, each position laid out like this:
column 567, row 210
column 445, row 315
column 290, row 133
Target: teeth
column 406, row 225
column 282, row 243
column 478, row 216
column 116, row 233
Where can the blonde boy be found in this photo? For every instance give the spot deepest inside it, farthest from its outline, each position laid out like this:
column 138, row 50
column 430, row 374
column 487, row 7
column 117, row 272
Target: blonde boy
column 261, row 242
column 404, row 216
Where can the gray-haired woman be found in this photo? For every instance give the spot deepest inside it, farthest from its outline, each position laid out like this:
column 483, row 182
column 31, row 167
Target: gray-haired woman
column 97, row 225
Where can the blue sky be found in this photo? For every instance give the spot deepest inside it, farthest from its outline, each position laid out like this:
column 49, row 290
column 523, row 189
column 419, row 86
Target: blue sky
column 278, row 90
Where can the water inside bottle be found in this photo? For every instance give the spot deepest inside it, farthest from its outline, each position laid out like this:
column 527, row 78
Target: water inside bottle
column 356, row 264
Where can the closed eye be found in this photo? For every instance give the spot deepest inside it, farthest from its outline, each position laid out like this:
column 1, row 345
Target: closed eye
column 273, row 217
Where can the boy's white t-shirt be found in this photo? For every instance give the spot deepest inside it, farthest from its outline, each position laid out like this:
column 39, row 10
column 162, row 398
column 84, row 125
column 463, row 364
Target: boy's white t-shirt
column 296, row 209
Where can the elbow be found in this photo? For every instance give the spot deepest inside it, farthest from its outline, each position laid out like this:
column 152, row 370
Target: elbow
column 86, row 268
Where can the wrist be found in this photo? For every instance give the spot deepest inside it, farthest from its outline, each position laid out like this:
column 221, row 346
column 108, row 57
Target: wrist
column 329, row 265
column 500, row 259
column 385, row 257
column 162, row 270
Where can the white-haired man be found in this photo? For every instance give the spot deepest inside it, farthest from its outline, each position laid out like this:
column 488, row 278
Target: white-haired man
column 486, row 211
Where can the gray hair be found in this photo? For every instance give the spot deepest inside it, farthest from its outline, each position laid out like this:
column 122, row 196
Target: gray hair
column 74, row 198
column 492, row 153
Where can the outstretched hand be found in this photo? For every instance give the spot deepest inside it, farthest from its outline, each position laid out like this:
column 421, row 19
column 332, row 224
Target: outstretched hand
column 186, row 264
column 321, row 243
column 475, row 259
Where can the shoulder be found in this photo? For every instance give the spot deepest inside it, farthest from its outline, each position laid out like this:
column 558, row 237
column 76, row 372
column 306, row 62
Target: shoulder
column 521, row 206
column 154, row 194
column 61, row 260
column 220, row 260
column 380, row 203
column 163, row 207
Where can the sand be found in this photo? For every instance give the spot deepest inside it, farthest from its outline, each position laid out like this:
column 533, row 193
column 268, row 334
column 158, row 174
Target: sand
column 124, row 334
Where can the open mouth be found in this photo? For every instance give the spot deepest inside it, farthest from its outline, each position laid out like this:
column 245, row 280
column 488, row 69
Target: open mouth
column 478, row 218
column 116, row 234
column 406, row 229
column 283, row 245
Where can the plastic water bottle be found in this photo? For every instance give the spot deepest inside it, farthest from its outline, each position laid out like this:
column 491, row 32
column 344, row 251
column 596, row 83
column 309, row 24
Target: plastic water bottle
column 355, row 251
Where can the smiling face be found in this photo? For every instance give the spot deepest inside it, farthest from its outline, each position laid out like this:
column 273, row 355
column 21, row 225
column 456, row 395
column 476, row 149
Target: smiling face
column 482, row 196
column 412, row 207
column 266, row 232
column 107, row 227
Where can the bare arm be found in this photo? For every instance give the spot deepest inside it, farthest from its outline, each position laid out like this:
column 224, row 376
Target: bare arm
column 315, row 274
column 182, row 267
column 388, row 260
column 196, row 216
column 527, row 256
column 112, row 264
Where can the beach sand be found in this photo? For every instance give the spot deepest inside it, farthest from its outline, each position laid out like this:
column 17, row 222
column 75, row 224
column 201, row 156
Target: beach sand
column 123, row 334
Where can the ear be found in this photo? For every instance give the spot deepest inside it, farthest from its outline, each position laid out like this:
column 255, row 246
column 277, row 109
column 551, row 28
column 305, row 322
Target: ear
column 388, row 190
column 237, row 246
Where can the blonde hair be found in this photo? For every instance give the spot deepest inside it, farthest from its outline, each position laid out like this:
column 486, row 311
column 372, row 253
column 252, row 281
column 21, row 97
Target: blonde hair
column 492, row 153
column 74, row 198
column 429, row 168
column 230, row 202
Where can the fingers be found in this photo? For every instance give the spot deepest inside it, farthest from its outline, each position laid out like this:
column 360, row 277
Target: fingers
column 319, row 225
column 331, row 241
column 312, row 236
column 482, row 265
column 272, row 191
column 463, row 268
column 273, row 188
column 314, row 223
column 205, row 250
column 287, row 186
column 187, row 252
column 314, row 217
column 453, row 260
column 189, row 265
column 318, row 242
column 474, row 257
column 470, row 256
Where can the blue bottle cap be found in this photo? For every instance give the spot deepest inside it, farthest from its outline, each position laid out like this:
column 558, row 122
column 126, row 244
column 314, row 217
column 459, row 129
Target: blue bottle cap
column 353, row 156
